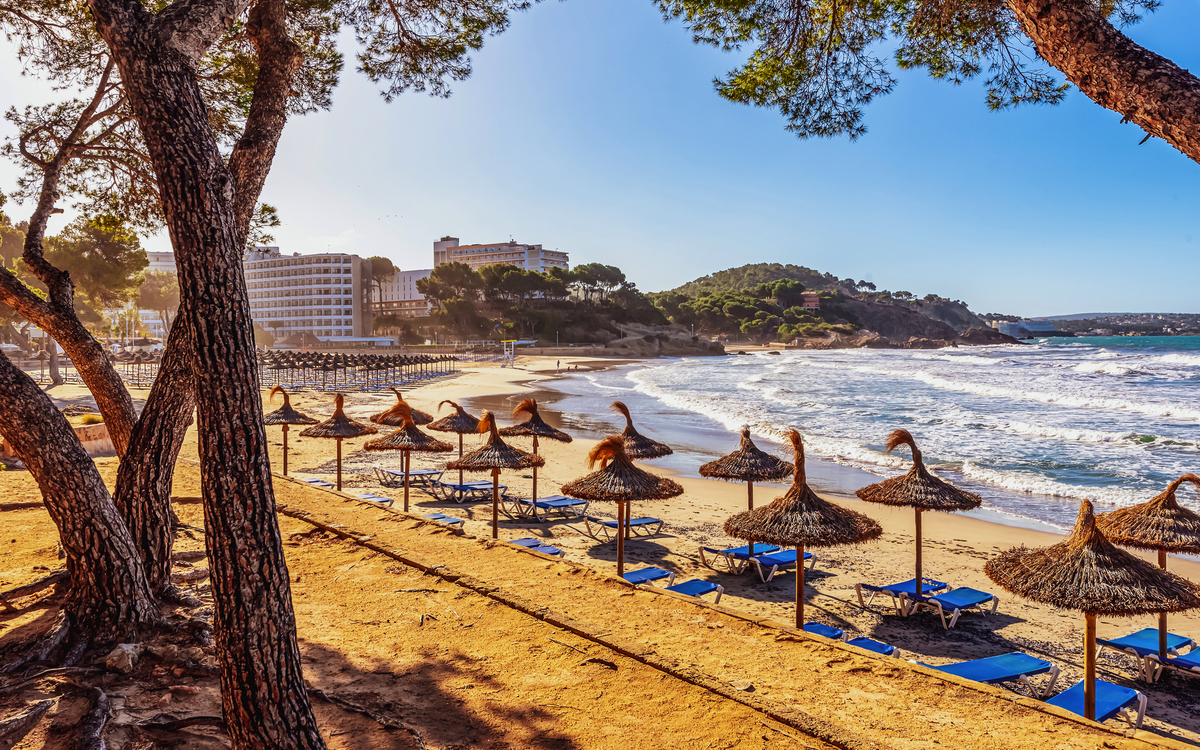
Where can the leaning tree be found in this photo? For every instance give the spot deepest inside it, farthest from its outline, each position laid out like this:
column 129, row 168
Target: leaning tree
column 820, row 61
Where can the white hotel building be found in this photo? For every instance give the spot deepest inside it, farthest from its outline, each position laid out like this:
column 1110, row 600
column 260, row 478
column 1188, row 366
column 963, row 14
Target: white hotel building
column 399, row 296
column 529, row 257
column 327, row 295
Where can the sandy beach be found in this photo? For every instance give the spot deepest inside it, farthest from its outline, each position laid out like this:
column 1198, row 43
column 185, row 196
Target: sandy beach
column 955, row 547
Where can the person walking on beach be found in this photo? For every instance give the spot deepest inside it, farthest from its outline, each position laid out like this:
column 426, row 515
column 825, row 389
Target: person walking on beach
column 558, row 365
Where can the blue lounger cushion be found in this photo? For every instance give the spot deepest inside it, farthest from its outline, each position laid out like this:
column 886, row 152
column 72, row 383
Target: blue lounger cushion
column 1145, row 642
column 645, row 575
column 953, row 602
column 527, row 542
column 822, row 629
column 870, row 644
column 1110, row 700
column 697, row 587
column 1012, row 667
column 443, row 518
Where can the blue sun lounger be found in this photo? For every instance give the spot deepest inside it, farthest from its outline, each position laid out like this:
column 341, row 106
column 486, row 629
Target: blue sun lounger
column 1014, row 667
column 443, row 518
column 894, row 590
column 955, row 602
column 819, row 628
column 422, row 478
column 1110, row 700
column 646, row 575
column 777, row 561
column 465, row 492
column 736, row 559
column 870, row 644
column 540, row 509
column 697, row 588
column 537, row 545
column 1188, row 664
column 1144, row 643
column 609, row 528
column 318, row 483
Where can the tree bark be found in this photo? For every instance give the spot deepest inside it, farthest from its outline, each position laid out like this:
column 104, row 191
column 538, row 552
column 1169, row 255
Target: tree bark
column 56, row 377
column 263, row 694
column 110, row 598
column 1075, row 37
column 143, row 492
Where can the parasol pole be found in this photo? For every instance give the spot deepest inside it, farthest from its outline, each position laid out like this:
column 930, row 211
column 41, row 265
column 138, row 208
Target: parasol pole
column 285, row 432
column 800, row 587
column 460, row 454
column 407, row 461
column 339, row 464
column 535, row 447
column 1162, row 616
column 750, row 495
column 621, row 540
column 918, row 534
column 1089, row 668
column 495, row 502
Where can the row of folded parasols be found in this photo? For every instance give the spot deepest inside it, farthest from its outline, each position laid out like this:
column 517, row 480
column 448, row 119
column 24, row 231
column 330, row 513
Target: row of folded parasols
column 1086, row 572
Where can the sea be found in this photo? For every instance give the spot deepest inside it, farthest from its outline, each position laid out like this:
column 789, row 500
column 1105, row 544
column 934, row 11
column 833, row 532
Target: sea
column 1034, row 429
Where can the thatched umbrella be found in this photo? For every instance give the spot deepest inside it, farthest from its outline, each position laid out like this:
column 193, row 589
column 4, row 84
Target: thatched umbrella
column 748, row 464
column 394, row 417
column 494, row 456
column 534, row 427
column 460, row 422
column 1088, row 573
column 619, row 482
column 285, row 415
column 802, row 519
column 1160, row 524
column 918, row 489
column 408, row 439
column 638, row 445
column 339, row 427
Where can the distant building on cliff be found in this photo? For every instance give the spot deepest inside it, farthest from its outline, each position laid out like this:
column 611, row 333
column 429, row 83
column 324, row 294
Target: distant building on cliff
column 529, row 257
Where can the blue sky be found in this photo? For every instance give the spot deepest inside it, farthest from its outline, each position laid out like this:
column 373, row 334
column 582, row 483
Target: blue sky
column 591, row 126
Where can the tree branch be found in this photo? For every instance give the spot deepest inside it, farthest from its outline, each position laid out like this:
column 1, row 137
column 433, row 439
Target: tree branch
column 192, row 26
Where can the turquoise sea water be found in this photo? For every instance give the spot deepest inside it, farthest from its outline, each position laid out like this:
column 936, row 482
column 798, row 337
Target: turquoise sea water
column 1032, row 428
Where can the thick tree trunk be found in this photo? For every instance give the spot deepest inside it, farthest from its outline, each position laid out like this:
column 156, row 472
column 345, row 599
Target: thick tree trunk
column 1075, row 37
column 263, row 696
column 110, row 598
column 143, row 494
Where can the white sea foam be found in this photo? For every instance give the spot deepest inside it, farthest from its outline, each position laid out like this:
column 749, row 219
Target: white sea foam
column 1029, row 482
column 1106, row 368
column 1075, row 434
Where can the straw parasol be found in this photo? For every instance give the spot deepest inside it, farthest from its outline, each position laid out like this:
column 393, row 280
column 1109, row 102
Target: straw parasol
column 393, row 417
column 801, row 519
column 460, row 422
column 638, row 445
column 1159, row 524
column 408, row 439
column 748, row 464
column 918, row 489
column 494, row 456
column 534, row 427
column 339, row 427
column 1088, row 573
column 619, row 482
column 285, row 415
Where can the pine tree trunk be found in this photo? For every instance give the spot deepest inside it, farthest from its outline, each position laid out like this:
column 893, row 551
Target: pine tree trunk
column 263, row 695
column 110, row 598
column 56, row 377
column 143, row 493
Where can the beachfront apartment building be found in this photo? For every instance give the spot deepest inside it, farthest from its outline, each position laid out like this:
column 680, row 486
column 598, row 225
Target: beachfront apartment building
column 399, row 296
column 326, row 295
column 161, row 261
column 529, row 257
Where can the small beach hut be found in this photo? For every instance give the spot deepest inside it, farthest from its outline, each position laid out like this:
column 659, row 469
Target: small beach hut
column 534, row 427
column 1087, row 573
column 918, row 489
column 619, row 482
column 1160, row 525
column 339, row 427
column 407, row 439
column 459, row 422
column 802, row 519
column 394, row 417
column 285, row 415
column 638, row 445
column 494, row 456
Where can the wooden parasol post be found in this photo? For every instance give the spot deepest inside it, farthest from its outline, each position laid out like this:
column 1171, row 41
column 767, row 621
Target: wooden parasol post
column 407, row 463
column 495, row 503
column 749, row 495
column 1162, row 616
column 460, row 455
column 339, row 464
column 800, row 587
column 285, row 432
column 1089, row 668
column 621, row 538
column 535, row 447
column 918, row 535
